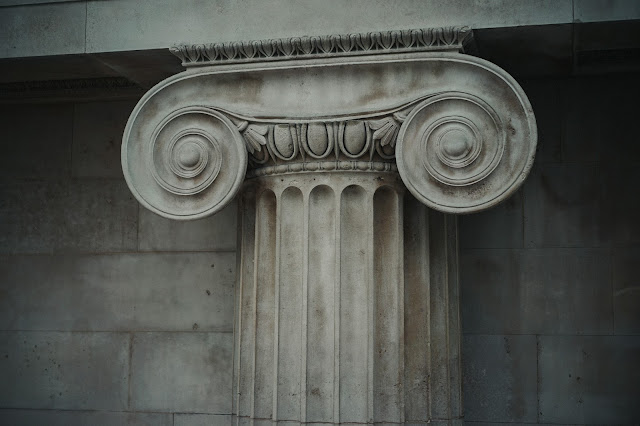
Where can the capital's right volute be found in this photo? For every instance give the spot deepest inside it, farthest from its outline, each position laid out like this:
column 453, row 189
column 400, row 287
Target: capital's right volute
column 467, row 149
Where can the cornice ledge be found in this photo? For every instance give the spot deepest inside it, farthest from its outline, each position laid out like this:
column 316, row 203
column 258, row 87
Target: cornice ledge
column 451, row 39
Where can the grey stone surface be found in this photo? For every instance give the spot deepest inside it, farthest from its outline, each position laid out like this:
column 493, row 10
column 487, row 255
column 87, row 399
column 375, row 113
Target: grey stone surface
column 499, row 378
column 499, row 227
column 60, row 67
column 118, row 292
column 82, row 418
column 529, row 51
column 217, row 232
column 589, row 133
column 145, row 67
column 589, row 379
column 36, row 151
column 219, row 21
column 201, row 420
column 4, row 3
column 563, row 207
column 47, row 29
column 611, row 10
column 582, row 205
column 63, row 370
column 67, row 216
column 585, row 125
column 97, row 136
column 619, row 184
column 508, row 423
column 549, row 101
column 559, row 291
column 195, row 376
column 626, row 291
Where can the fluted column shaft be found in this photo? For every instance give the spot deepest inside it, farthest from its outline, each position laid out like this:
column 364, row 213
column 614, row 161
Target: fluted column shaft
column 347, row 303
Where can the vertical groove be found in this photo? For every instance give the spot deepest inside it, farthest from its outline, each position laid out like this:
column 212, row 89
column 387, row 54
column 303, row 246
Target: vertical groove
column 438, row 322
column 416, row 311
column 304, row 314
column 321, row 310
column 336, row 309
column 370, row 292
column 290, row 352
column 400, row 303
column 447, row 322
column 454, row 335
column 276, row 308
column 265, row 304
column 387, row 307
column 445, row 338
column 355, row 229
column 244, row 302
column 256, row 258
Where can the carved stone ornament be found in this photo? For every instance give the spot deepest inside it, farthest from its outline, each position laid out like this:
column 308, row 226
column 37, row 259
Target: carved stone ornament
column 347, row 305
column 458, row 129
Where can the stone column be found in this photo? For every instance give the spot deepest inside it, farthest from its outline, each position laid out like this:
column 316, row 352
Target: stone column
column 347, row 291
column 348, row 302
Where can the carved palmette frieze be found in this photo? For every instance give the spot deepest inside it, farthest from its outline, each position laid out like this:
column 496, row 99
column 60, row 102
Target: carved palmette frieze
column 428, row 39
column 342, row 144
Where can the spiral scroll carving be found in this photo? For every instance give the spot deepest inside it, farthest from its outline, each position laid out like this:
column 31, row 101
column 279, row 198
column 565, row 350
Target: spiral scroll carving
column 195, row 162
column 458, row 154
column 462, row 141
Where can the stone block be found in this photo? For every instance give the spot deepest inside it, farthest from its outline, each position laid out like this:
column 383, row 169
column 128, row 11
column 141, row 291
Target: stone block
column 182, row 372
column 509, row 424
column 43, row 68
column 552, row 291
column 499, row 378
column 195, row 22
column 217, row 232
column 499, row 227
column 201, row 420
column 584, row 123
column 63, row 370
column 621, row 209
column 145, row 67
column 67, row 216
column 191, row 291
column 118, row 292
column 82, row 418
column 36, row 151
column 97, row 136
column 548, row 98
column 42, row 30
column 4, row 3
column 563, row 207
column 530, row 51
column 589, row 379
column 626, row 291
column 611, row 10
column 589, row 133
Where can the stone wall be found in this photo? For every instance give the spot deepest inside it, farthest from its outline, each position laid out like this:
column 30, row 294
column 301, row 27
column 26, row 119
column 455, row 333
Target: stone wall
column 550, row 301
column 110, row 315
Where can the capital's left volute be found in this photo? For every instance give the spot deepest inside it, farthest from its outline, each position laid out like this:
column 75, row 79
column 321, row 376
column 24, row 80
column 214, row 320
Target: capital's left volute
column 182, row 162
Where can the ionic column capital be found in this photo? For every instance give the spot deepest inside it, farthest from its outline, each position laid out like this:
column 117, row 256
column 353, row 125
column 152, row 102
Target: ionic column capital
column 458, row 129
